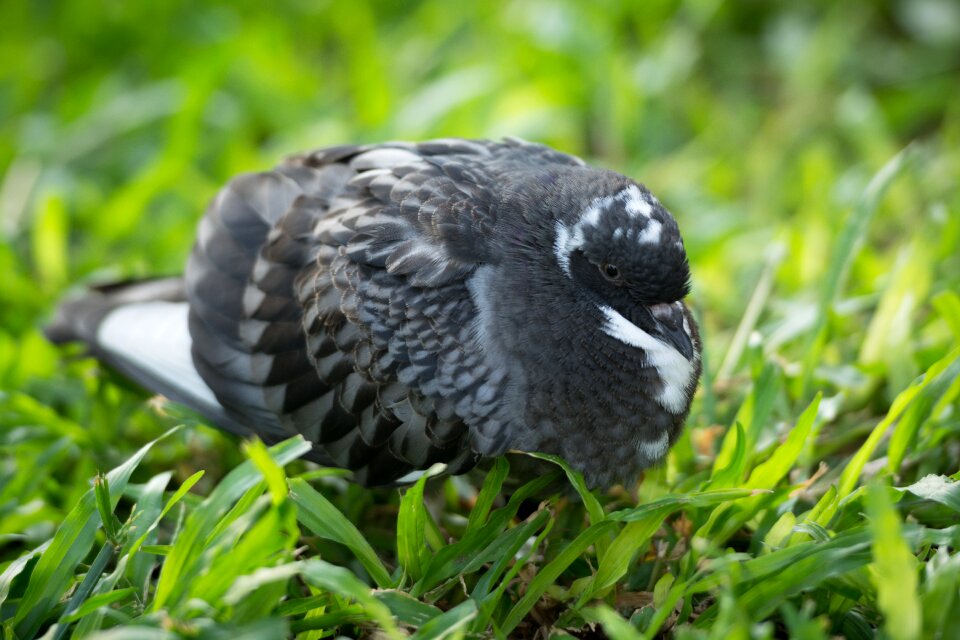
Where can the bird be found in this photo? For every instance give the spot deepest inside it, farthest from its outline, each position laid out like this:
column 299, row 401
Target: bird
column 402, row 305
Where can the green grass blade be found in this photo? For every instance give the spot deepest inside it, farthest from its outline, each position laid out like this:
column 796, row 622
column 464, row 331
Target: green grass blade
column 942, row 389
column 323, row 623
column 490, row 603
column 263, row 534
column 796, row 569
column 202, row 521
column 174, row 499
column 453, row 558
column 758, row 299
column 492, row 484
column 451, row 624
column 17, row 567
column 887, row 340
column 144, row 518
column 245, row 585
column 407, row 609
column 552, row 571
column 93, row 619
column 502, row 551
column 50, row 240
column 901, row 403
column 733, row 472
column 753, row 415
column 643, row 522
column 318, row 515
column 594, row 509
column 947, row 304
column 340, row 581
column 895, row 568
column 71, row 543
column 615, row 627
column 800, row 626
column 130, row 632
column 411, row 530
column 937, row 488
column 272, row 472
column 848, row 243
column 590, row 501
column 693, row 499
column 101, row 492
column 940, row 599
column 619, row 555
column 769, row 473
column 102, row 600
column 99, row 565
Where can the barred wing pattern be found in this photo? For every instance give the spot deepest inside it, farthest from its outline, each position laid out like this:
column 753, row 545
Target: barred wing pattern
column 330, row 297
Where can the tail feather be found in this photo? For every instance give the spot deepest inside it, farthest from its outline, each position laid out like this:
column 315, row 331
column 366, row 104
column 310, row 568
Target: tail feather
column 77, row 319
column 141, row 329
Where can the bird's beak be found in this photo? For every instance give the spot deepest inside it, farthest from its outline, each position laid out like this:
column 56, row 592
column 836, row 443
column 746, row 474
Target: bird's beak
column 668, row 327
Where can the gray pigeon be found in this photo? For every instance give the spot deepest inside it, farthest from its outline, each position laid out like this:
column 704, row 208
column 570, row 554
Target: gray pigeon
column 402, row 305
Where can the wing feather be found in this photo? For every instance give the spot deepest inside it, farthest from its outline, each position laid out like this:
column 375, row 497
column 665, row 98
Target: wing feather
column 331, row 297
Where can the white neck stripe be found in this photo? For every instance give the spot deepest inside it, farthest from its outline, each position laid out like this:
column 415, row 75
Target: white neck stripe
column 675, row 371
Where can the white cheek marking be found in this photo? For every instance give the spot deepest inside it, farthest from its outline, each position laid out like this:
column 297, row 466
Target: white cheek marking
column 675, row 371
column 654, row 449
column 651, row 233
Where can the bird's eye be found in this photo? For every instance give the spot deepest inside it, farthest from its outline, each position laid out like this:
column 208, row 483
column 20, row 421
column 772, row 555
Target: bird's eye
column 610, row 271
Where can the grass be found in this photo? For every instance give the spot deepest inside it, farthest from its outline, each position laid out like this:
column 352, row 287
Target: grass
column 810, row 153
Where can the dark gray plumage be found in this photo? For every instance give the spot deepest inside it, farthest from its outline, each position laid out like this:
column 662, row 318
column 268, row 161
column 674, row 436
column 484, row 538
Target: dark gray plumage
column 404, row 304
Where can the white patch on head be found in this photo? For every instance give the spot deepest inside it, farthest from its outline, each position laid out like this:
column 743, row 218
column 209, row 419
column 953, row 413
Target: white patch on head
column 654, row 449
column 675, row 371
column 565, row 244
column 635, row 202
column 651, row 232
column 591, row 217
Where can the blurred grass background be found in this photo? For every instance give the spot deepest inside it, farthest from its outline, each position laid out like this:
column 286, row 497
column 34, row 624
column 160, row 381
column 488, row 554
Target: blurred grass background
column 759, row 124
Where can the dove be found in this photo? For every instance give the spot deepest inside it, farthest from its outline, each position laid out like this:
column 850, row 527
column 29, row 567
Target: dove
column 402, row 305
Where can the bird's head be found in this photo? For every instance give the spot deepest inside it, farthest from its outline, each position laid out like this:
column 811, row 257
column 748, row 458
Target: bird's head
column 622, row 251
column 589, row 305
